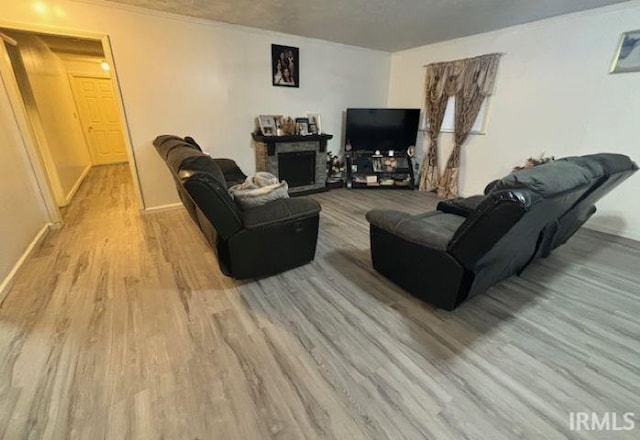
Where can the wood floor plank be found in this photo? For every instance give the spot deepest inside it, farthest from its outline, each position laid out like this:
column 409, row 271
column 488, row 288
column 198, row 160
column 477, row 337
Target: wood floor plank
column 120, row 325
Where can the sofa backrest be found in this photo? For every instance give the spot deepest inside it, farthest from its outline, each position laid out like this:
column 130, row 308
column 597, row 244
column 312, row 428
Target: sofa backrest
column 615, row 168
column 510, row 198
column 522, row 213
column 164, row 146
column 202, row 187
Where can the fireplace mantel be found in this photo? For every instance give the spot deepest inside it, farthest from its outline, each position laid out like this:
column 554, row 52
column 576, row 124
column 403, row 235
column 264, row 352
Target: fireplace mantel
column 271, row 141
column 267, row 149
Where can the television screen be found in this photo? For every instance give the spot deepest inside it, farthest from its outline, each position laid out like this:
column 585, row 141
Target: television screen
column 382, row 129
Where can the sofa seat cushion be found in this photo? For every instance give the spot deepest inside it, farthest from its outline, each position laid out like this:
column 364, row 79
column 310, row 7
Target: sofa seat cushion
column 433, row 229
column 279, row 211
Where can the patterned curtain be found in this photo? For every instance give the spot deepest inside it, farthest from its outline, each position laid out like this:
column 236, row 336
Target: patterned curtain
column 474, row 85
column 470, row 81
column 435, row 105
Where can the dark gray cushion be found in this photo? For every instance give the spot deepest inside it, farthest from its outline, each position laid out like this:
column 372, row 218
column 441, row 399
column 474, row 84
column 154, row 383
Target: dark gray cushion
column 191, row 141
column 549, row 179
column 432, row 229
column 232, row 173
column 179, row 154
column 166, row 143
column 280, row 210
column 566, row 174
column 595, row 167
column 203, row 164
column 612, row 163
column 213, row 199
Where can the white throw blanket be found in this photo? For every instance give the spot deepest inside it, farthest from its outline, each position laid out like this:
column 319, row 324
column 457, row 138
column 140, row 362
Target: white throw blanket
column 259, row 189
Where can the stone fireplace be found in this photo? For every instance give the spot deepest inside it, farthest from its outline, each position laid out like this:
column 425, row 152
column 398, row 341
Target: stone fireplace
column 299, row 160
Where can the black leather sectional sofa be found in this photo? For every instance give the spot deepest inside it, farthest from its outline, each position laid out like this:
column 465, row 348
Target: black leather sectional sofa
column 258, row 242
column 467, row 245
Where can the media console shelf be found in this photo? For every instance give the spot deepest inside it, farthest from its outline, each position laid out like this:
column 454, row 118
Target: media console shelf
column 299, row 160
column 368, row 170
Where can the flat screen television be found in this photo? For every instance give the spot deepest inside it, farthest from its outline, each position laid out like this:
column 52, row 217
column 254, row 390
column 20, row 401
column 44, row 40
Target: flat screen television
column 371, row 129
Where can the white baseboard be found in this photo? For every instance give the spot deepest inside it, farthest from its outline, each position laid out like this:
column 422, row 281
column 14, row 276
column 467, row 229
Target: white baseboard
column 75, row 188
column 7, row 283
column 162, row 208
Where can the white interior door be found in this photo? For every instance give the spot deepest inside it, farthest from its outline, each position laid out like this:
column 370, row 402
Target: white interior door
column 99, row 117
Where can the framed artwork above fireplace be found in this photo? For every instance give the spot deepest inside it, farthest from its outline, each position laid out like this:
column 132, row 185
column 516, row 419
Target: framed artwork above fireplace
column 285, row 66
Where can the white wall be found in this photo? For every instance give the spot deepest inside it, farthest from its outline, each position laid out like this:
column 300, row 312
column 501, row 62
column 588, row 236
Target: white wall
column 554, row 94
column 210, row 80
column 22, row 212
column 65, row 143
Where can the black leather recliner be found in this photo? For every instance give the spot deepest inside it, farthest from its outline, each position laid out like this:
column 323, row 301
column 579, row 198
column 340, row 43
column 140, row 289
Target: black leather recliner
column 467, row 245
column 258, row 242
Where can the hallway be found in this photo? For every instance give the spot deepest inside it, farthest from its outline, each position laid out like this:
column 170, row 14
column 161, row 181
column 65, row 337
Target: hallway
column 87, row 326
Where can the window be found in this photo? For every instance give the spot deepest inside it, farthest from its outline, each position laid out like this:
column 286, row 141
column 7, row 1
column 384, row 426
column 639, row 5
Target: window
column 448, row 122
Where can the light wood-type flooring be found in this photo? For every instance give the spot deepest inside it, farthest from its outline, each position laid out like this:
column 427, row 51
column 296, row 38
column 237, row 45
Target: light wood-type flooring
column 121, row 326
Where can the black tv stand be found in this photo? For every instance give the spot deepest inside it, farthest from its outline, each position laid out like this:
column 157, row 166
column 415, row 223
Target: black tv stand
column 368, row 170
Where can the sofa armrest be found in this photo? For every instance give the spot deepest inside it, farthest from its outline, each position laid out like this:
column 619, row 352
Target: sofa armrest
column 387, row 219
column 495, row 216
column 281, row 210
column 432, row 229
column 461, row 206
column 490, row 186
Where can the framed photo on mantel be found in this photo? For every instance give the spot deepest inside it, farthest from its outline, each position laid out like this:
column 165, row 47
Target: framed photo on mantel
column 315, row 126
column 267, row 125
column 285, row 66
column 302, row 126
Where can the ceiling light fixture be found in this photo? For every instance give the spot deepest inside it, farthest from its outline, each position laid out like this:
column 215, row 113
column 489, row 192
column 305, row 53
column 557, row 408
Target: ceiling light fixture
column 40, row 7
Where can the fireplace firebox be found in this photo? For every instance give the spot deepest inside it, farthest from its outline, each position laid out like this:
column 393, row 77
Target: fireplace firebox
column 297, row 168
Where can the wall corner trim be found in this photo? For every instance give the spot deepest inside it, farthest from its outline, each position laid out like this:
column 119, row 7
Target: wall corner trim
column 76, row 186
column 7, row 283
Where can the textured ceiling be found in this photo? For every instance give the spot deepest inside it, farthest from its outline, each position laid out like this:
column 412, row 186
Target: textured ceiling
column 377, row 24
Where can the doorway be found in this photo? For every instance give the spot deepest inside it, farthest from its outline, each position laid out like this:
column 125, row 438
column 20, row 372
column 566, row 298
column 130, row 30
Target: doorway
column 66, row 94
column 99, row 118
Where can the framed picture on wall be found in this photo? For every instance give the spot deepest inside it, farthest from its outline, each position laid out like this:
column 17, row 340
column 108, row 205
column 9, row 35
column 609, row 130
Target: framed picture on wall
column 285, row 66
column 627, row 57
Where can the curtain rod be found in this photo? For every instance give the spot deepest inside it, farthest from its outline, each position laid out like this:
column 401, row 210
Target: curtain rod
column 8, row 39
column 436, row 62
